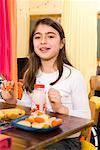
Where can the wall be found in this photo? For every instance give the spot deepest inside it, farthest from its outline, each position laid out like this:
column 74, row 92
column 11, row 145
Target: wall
column 81, row 33
column 22, row 27
column 26, row 8
column 98, row 37
column 79, row 20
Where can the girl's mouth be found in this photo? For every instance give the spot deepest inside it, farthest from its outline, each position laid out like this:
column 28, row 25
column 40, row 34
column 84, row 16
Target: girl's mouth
column 44, row 49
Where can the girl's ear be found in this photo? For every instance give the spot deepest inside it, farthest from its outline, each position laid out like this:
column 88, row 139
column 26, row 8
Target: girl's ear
column 62, row 43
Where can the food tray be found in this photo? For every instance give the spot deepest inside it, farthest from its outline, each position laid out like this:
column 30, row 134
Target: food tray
column 32, row 129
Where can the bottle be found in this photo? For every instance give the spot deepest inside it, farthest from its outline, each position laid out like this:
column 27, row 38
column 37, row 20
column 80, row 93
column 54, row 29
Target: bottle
column 39, row 98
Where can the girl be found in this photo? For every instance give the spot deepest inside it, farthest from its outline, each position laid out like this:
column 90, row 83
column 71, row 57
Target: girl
column 65, row 87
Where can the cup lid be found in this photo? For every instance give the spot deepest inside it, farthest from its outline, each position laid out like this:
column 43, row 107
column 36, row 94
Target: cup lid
column 39, row 86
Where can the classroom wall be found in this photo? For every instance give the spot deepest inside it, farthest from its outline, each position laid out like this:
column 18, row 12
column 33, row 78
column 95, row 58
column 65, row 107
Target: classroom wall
column 81, row 33
column 79, row 20
column 27, row 8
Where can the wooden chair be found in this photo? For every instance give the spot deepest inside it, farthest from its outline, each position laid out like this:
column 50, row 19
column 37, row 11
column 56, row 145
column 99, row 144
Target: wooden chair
column 95, row 86
column 86, row 133
column 85, row 145
column 95, row 109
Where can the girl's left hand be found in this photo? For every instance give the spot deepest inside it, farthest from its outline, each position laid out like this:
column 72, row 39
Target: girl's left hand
column 55, row 99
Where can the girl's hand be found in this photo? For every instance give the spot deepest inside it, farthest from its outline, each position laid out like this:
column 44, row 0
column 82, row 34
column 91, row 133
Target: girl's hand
column 7, row 91
column 55, row 99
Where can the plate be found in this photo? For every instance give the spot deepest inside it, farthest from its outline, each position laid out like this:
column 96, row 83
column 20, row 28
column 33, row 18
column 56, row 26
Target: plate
column 26, row 128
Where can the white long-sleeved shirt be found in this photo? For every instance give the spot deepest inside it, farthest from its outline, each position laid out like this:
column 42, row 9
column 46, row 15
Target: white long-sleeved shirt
column 71, row 87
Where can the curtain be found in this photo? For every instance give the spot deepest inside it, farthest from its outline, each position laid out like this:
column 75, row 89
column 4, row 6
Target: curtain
column 5, row 45
column 8, row 40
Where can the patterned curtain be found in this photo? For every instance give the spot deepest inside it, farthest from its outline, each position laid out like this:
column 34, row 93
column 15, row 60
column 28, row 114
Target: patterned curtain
column 8, row 42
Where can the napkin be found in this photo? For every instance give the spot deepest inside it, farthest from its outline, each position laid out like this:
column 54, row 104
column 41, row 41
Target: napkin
column 5, row 142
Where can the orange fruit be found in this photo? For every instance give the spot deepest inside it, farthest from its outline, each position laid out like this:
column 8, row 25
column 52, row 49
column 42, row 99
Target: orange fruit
column 56, row 122
column 39, row 119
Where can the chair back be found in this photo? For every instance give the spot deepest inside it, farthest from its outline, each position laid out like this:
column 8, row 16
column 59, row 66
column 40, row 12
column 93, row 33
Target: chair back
column 94, row 85
column 87, row 145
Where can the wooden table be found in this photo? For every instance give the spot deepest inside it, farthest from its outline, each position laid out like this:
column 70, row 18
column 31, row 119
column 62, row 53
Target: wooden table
column 22, row 140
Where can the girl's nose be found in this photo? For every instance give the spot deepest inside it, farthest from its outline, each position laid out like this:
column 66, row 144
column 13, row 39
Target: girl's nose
column 43, row 40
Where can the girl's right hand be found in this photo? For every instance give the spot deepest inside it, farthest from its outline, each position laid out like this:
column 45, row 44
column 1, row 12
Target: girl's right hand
column 7, row 92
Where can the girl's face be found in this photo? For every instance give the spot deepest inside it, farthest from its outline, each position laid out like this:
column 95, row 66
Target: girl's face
column 47, row 42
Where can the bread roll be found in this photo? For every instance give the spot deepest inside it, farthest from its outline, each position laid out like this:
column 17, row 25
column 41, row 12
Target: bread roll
column 1, row 115
column 12, row 113
column 30, row 119
column 46, row 125
column 37, row 125
column 24, row 123
column 45, row 117
column 51, row 119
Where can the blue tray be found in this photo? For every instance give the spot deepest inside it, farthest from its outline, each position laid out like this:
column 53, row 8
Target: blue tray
column 26, row 128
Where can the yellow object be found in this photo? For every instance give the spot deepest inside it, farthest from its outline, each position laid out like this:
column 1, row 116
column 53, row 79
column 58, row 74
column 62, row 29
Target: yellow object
column 11, row 113
column 87, row 145
column 96, row 100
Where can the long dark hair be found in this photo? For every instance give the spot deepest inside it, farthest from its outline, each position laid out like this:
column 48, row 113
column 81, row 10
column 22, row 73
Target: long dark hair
column 35, row 62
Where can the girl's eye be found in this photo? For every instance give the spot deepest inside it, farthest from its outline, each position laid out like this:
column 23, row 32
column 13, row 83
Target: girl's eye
column 51, row 36
column 36, row 37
